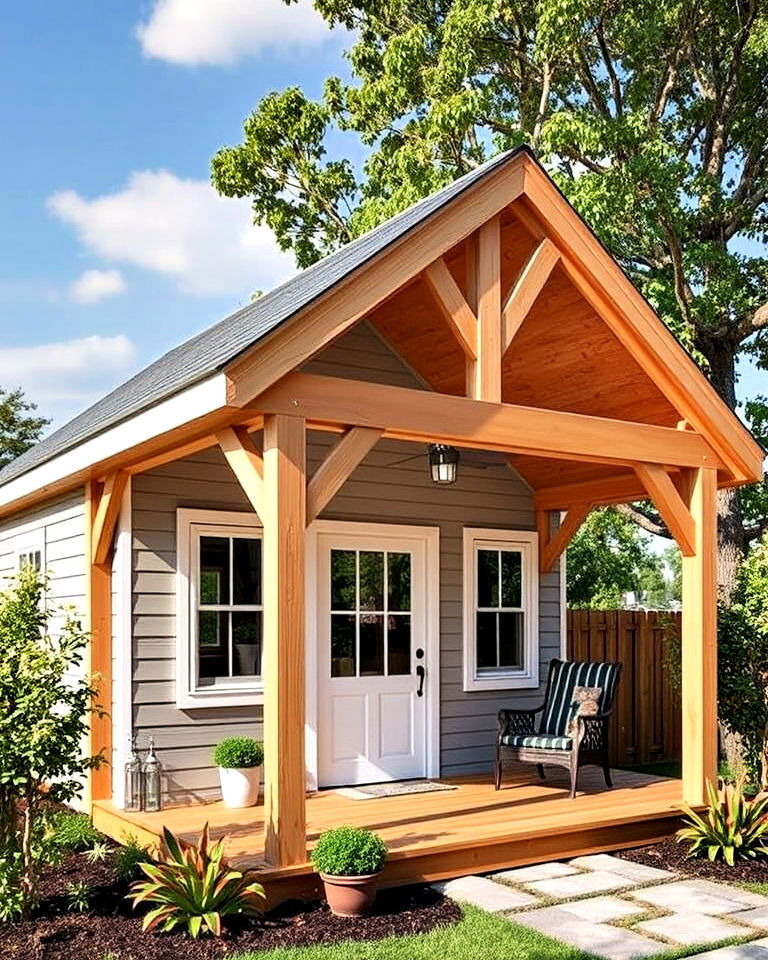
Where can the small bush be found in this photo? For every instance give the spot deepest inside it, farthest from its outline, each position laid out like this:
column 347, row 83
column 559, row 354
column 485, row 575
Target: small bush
column 79, row 896
column 239, row 752
column 127, row 859
column 194, row 887
column 732, row 827
column 74, row 831
column 349, row 852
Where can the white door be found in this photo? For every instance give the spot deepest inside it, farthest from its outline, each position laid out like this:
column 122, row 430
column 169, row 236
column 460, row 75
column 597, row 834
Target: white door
column 374, row 640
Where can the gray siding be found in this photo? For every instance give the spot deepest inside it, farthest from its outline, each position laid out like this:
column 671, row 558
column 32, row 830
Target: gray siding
column 383, row 489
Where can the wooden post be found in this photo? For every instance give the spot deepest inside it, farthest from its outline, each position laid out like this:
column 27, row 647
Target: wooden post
column 284, row 520
column 699, row 640
column 489, row 332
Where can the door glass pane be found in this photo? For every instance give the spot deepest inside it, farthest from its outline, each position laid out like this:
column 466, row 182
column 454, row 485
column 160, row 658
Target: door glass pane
column 371, row 580
column 343, row 662
column 486, row 641
column 399, row 640
column 246, row 640
column 511, row 640
column 399, row 572
column 371, row 645
column 343, row 577
column 511, row 578
column 246, row 572
column 213, row 643
column 487, row 578
column 214, row 570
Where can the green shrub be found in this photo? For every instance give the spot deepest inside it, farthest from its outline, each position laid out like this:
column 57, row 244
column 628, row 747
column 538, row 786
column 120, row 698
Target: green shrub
column 732, row 827
column 239, row 752
column 74, row 831
column 79, row 896
column 349, row 852
column 128, row 858
column 194, row 887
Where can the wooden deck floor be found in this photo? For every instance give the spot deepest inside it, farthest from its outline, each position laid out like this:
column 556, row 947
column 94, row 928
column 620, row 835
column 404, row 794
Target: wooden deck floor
column 437, row 835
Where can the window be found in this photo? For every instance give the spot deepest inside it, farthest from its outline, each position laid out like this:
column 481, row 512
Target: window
column 500, row 610
column 30, row 551
column 219, row 608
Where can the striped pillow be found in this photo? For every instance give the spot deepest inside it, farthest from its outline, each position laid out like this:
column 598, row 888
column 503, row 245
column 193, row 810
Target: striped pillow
column 564, row 676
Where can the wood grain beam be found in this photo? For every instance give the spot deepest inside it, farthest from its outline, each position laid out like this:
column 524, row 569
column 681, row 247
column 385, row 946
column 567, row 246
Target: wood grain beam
column 670, row 505
column 337, row 467
column 527, row 288
column 105, row 519
column 423, row 416
column 489, row 332
column 556, row 543
column 246, row 463
column 622, row 488
column 456, row 311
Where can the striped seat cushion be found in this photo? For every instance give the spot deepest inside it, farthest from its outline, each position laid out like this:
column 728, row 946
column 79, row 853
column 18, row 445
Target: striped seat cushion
column 542, row 742
column 563, row 677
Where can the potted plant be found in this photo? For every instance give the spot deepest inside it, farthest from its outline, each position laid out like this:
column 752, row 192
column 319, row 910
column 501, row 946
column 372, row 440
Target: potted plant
column 239, row 760
column 349, row 861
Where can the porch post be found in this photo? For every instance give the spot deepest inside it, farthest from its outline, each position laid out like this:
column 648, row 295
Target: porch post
column 699, row 639
column 283, row 601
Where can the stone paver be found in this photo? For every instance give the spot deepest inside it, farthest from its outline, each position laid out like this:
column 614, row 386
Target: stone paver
column 688, row 928
column 696, row 896
column 636, row 872
column 615, row 943
column 756, row 950
column 484, row 893
column 756, row 917
column 538, row 871
column 581, row 885
column 603, row 909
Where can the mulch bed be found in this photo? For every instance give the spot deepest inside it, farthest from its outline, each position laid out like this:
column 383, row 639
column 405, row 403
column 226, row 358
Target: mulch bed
column 110, row 927
column 671, row 855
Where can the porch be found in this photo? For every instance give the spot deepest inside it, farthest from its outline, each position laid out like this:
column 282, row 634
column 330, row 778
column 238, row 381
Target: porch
column 438, row 835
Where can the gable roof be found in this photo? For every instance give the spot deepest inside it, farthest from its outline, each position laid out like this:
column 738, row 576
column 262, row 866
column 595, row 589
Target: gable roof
column 209, row 351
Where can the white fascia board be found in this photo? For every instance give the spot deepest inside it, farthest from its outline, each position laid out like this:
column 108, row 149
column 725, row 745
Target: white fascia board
column 194, row 402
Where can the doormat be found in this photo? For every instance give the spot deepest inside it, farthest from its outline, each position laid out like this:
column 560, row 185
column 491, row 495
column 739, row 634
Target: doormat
column 398, row 788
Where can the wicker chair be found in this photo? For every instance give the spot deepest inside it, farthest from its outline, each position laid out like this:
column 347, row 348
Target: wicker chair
column 518, row 739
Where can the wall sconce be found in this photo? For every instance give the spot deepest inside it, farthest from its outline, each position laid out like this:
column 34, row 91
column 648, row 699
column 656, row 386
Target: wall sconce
column 443, row 463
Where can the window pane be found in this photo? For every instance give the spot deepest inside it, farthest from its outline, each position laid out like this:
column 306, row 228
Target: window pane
column 371, row 645
column 486, row 641
column 511, row 640
column 487, row 578
column 511, row 578
column 399, row 639
column 213, row 644
column 246, row 572
column 371, row 580
column 214, row 570
column 399, row 572
column 343, row 578
column 342, row 645
column 246, row 640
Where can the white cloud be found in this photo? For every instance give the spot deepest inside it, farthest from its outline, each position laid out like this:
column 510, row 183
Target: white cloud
column 94, row 285
column 220, row 32
column 179, row 228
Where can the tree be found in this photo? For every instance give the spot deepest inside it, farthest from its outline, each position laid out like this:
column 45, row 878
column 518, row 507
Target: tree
column 18, row 429
column 608, row 557
column 653, row 119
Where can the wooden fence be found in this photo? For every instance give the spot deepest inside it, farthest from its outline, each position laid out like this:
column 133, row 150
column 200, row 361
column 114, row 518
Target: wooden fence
column 646, row 721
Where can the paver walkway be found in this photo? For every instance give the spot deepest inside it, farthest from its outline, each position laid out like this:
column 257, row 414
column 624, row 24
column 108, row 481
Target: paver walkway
column 621, row 910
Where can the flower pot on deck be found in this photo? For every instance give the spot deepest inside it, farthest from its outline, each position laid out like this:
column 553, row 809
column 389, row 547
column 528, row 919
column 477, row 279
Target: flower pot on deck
column 350, row 896
column 240, row 786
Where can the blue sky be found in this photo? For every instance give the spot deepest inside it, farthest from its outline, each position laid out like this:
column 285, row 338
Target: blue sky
column 114, row 247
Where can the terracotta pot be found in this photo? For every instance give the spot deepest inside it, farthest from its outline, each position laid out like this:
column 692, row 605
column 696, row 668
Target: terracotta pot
column 350, row 896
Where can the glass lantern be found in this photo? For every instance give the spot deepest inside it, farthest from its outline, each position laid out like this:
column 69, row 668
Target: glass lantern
column 151, row 775
column 133, row 779
column 443, row 463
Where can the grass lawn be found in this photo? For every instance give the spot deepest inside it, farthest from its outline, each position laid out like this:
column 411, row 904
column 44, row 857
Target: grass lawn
column 479, row 934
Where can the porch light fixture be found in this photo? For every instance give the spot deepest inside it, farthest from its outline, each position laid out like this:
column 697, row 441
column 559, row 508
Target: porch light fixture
column 443, row 463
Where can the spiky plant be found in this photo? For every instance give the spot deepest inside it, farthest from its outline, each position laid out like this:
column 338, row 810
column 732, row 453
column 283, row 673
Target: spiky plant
column 732, row 827
column 194, row 886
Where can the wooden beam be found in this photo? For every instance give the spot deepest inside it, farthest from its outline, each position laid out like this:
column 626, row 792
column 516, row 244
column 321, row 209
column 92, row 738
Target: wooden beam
column 549, row 552
column 489, row 333
column 284, row 519
column 246, row 463
column 699, row 642
column 527, row 288
column 456, row 311
column 670, row 505
column 622, row 488
column 107, row 512
column 470, row 270
column 423, row 416
column 337, row 467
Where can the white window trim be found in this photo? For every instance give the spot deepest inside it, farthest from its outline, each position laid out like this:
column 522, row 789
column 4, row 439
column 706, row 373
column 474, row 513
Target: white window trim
column 527, row 541
column 33, row 541
column 188, row 695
